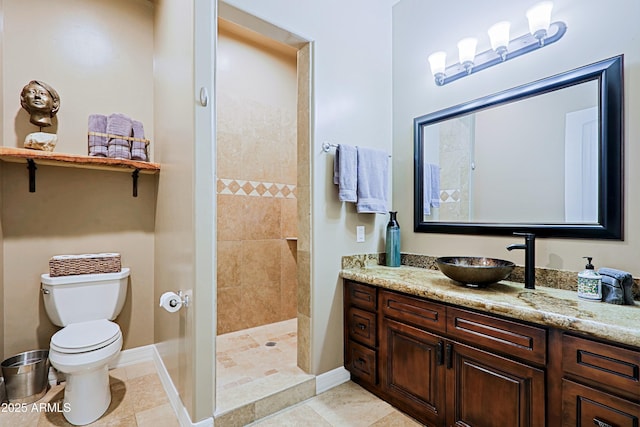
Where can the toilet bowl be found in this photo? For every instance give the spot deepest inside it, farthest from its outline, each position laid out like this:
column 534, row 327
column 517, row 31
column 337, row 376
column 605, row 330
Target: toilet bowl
column 82, row 351
column 85, row 305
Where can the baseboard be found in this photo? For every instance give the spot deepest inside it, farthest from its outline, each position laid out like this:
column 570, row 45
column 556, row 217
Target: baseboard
column 132, row 356
column 174, row 398
column 331, row 379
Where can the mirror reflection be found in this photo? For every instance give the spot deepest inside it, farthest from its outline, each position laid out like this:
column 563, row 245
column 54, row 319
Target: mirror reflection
column 543, row 158
column 534, row 160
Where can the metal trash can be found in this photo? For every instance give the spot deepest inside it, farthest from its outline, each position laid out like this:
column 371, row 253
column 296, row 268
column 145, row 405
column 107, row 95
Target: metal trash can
column 26, row 376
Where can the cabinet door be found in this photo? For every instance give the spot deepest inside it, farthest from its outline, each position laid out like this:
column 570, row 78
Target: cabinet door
column 485, row 390
column 585, row 406
column 412, row 370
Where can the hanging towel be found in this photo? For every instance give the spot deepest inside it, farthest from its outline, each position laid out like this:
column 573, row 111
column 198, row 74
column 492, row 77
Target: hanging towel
column 373, row 180
column 622, row 293
column 431, row 187
column 345, row 172
column 99, row 151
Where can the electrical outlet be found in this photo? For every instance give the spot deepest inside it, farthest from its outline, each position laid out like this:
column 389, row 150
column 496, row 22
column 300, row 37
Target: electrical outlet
column 360, row 234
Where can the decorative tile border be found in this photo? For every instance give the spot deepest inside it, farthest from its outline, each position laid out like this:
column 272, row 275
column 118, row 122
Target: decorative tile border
column 239, row 187
column 450, row 196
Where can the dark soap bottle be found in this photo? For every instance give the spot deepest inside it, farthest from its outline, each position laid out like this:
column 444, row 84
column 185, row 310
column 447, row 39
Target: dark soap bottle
column 392, row 244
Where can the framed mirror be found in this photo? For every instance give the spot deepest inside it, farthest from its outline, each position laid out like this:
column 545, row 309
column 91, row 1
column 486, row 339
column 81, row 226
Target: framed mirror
column 543, row 158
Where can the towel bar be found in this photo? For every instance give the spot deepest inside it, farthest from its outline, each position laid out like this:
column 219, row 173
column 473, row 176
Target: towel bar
column 327, row 146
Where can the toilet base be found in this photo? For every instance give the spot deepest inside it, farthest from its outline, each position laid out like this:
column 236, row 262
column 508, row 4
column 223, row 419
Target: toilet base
column 87, row 396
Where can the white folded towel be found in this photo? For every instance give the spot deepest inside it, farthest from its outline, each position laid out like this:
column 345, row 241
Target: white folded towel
column 431, row 187
column 345, row 172
column 373, row 180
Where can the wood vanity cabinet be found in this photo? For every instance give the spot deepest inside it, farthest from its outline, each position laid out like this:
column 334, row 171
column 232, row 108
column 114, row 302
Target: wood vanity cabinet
column 442, row 365
column 600, row 385
column 449, row 366
column 360, row 332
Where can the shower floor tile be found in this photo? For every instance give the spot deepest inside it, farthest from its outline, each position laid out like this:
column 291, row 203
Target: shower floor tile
column 254, row 363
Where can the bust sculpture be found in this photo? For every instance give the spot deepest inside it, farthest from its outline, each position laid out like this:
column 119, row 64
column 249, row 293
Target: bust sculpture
column 42, row 102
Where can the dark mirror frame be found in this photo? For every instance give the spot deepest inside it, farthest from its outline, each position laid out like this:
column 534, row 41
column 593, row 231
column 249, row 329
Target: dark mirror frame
column 608, row 73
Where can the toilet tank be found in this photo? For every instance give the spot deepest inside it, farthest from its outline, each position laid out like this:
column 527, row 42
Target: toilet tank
column 80, row 298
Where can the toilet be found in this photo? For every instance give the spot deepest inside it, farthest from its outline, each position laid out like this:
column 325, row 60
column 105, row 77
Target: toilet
column 85, row 305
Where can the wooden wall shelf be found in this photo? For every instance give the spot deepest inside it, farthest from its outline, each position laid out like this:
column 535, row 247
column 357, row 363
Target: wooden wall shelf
column 33, row 157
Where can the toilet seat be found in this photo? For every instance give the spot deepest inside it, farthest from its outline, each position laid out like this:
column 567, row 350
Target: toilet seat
column 86, row 336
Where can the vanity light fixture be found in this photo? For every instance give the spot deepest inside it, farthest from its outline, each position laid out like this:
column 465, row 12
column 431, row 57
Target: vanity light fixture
column 542, row 32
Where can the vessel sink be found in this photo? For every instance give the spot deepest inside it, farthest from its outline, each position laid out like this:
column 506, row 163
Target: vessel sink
column 475, row 271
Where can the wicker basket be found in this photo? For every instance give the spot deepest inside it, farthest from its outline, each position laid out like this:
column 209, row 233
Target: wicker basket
column 70, row 265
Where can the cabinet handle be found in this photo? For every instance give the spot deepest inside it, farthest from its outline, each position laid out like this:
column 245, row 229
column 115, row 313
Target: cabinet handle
column 440, row 353
column 449, row 355
column 362, row 326
column 600, row 423
column 361, row 361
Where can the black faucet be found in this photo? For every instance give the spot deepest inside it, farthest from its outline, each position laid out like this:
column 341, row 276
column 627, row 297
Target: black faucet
column 529, row 247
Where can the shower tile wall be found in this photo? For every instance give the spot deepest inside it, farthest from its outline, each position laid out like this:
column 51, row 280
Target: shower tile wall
column 256, row 184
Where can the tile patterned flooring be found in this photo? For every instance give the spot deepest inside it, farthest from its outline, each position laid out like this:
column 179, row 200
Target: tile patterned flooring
column 137, row 400
column 257, row 374
column 347, row 405
column 252, row 377
column 248, row 370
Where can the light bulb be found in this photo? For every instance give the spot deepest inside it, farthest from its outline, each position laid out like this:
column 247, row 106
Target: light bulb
column 437, row 62
column 467, row 52
column 499, row 36
column 539, row 17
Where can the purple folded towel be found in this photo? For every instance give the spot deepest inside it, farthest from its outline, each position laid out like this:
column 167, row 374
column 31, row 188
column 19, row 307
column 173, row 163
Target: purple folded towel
column 139, row 154
column 137, row 129
column 98, row 151
column 119, row 152
column 97, row 123
column 138, row 148
column 119, row 124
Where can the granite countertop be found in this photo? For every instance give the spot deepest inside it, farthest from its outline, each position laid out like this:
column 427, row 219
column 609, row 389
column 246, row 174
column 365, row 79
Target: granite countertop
column 545, row 306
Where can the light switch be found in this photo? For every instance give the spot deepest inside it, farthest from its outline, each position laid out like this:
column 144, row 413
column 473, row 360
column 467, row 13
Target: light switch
column 360, row 233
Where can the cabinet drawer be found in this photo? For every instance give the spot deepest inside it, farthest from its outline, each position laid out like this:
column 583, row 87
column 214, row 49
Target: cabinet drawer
column 515, row 339
column 585, row 406
column 362, row 326
column 611, row 367
column 416, row 311
column 362, row 362
column 360, row 295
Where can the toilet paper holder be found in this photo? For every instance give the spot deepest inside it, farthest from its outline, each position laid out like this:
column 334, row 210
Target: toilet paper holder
column 174, row 300
column 183, row 298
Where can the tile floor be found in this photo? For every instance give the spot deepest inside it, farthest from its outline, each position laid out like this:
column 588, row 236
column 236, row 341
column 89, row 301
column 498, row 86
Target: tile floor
column 248, row 371
column 347, row 405
column 248, row 368
column 137, row 400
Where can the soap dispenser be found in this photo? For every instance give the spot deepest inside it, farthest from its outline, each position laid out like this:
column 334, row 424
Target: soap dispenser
column 589, row 283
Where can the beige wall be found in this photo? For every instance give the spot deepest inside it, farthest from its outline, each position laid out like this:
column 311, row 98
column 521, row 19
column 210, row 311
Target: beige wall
column 99, row 57
column 422, row 27
column 185, row 257
column 256, row 183
column 351, row 77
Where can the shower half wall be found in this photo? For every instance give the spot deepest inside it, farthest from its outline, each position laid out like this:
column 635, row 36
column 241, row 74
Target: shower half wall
column 256, row 183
